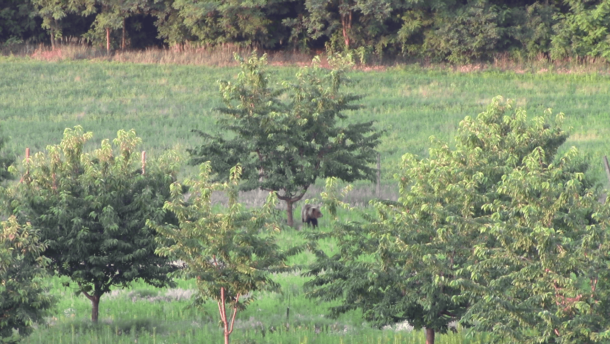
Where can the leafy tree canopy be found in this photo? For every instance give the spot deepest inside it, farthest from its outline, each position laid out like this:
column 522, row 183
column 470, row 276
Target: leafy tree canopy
column 23, row 292
column 91, row 210
column 285, row 145
column 231, row 252
column 498, row 233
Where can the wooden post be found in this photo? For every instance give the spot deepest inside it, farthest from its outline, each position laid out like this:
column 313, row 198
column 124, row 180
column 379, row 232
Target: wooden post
column 107, row 40
column 143, row 162
column 378, row 190
column 607, row 168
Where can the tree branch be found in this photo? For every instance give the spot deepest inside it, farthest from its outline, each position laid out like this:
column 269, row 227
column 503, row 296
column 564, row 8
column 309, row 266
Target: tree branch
column 234, row 313
column 91, row 298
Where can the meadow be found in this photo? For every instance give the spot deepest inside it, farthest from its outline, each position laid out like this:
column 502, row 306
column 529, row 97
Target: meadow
column 163, row 103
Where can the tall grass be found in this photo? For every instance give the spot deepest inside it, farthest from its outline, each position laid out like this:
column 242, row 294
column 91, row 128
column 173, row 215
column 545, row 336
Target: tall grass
column 38, row 100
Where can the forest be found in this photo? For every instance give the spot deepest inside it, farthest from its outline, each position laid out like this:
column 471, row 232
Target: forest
column 437, row 30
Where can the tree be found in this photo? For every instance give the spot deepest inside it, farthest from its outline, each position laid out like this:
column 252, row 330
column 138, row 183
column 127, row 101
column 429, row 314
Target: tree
column 583, row 30
column 231, row 253
column 169, row 24
column 354, row 21
column 16, row 23
column 234, row 21
column 284, row 146
column 415, row 260
column 91, row 210
column 128, row 8
column 112, row 16
column 23, row 293
column 108, row 19
column 53, row 11
column 542, row 277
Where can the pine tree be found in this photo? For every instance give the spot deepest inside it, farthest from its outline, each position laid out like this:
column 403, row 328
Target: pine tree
column 91, row 210
column 284, row 146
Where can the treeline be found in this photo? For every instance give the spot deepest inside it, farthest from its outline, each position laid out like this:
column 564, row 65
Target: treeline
column 440, row 30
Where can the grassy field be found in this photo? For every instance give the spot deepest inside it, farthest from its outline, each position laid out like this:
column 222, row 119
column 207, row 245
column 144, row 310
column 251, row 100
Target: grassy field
column 142, row 314
column 164, row 102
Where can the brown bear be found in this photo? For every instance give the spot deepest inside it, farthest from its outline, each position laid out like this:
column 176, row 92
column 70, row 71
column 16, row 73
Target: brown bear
column 310, row 214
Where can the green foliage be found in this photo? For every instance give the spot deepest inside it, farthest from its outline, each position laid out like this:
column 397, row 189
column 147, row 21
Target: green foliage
column 231, row 254
column 170, row 24
column 53, row 12
column 465, row 34
column 532, row 28
column 583, row 31
column 444, row 30
column 233, row 21
column 23, row 292
column 284, row 146
column 16, row 22
column 539, row 274
column 91, row 210
column 496, row 230
column 112, row 16
column 349, row 23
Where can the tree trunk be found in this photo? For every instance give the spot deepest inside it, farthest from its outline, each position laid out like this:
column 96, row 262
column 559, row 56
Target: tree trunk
column 289, row 213
column 429, row 336
column 123, row 41
column 346, row 23
column 95, row 309
column 228, row 327
column 108, row 40
column 52, row 40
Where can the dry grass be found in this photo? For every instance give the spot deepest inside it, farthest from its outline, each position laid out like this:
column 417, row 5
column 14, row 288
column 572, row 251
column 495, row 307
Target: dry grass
column 222, row 56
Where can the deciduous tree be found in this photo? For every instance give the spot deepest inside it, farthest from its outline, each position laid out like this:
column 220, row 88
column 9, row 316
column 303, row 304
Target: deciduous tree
column 91, row 210
column 542, row 276
column 234, row 21
column 230, row 252
column 51, row 12
column 284, row 146
column 23, row 293
column 467, row 237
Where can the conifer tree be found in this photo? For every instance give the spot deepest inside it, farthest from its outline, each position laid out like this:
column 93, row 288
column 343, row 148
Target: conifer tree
column 284, row 146
column 91, row 210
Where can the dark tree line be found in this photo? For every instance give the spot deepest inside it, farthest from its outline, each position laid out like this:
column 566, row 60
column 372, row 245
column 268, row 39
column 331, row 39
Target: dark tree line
column 441, row 30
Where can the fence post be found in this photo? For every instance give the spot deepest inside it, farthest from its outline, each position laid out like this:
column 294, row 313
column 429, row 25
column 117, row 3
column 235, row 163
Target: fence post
column 143, row 162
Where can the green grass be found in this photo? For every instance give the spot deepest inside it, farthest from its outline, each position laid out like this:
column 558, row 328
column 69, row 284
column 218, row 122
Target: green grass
column 38, row 100
column 164, row 102
column 144, row 314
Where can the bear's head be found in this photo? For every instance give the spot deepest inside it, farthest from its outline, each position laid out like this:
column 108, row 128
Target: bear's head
column 314, row 212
